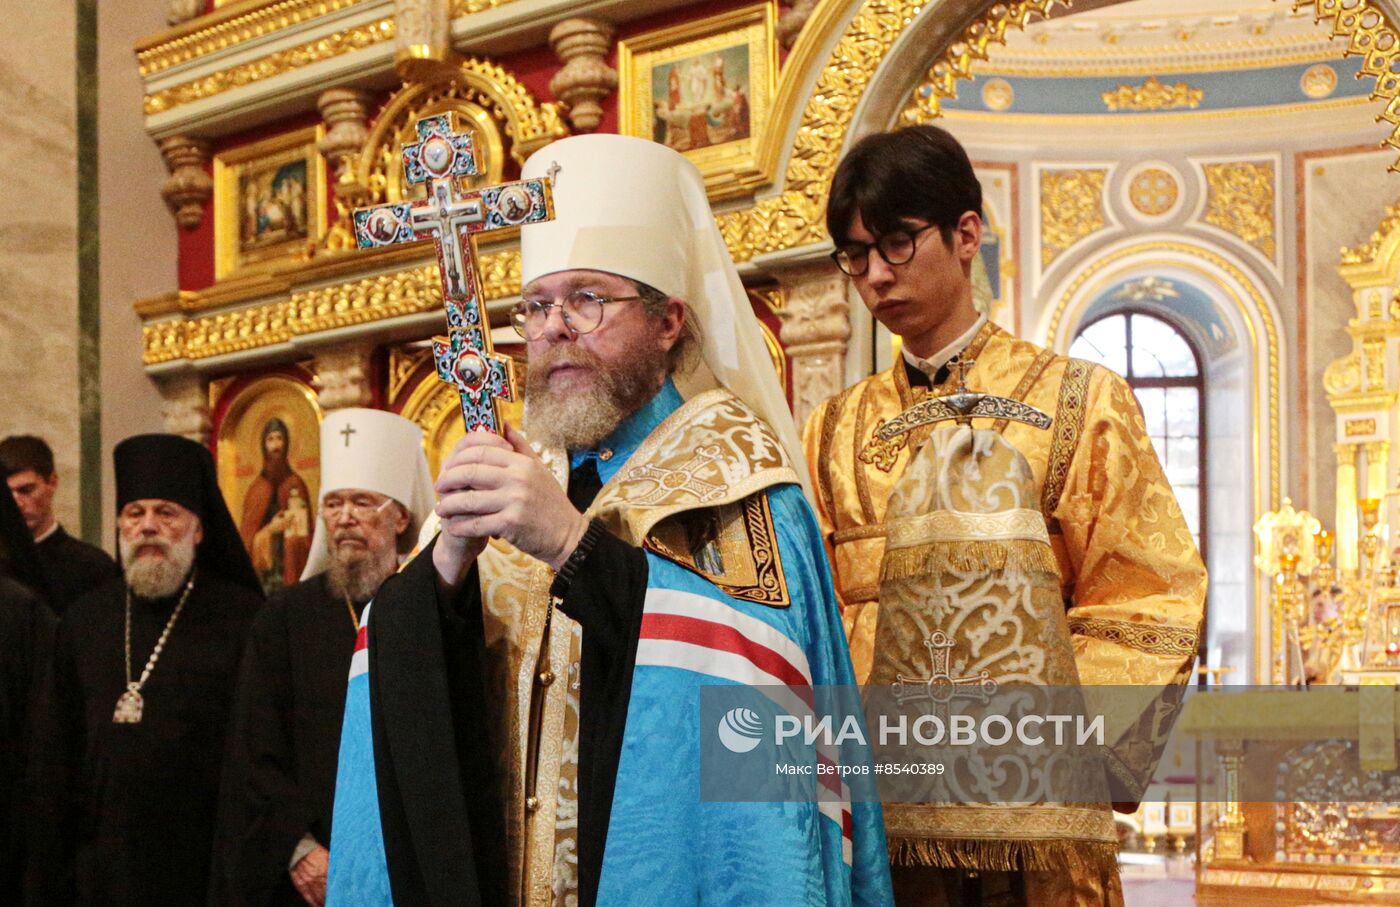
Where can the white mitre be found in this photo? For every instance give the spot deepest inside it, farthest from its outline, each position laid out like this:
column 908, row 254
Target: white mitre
column 639, row 210
column 371, row 450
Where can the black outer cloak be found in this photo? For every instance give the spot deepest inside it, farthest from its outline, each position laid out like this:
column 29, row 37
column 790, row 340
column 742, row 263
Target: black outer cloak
column 279, row 777
column 124, row 813
column 440, row 798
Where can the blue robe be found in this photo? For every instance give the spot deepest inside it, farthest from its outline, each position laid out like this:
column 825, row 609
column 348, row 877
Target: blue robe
column 670, row 632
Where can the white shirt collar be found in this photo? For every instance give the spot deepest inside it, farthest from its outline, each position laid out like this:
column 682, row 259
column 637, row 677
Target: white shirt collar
column 52, row 529
column 932, row 364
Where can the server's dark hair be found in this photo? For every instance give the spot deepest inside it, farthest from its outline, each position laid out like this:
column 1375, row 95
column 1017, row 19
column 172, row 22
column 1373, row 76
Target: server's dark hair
column 918, row 173
column 21, row 452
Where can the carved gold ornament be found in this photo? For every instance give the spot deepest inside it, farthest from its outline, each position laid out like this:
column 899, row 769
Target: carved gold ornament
column 1071, row 208
column 1318, row 81
column 405, row 292
column 1367, row 252
column 185, row 43
column 274, row 64
column 998, row 94
column 1153, row 95
column 1241, row 201
column 1154, row 191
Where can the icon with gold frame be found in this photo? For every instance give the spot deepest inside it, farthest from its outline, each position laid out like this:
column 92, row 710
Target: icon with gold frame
column 269, row 202
column 269, row 468
column 705, row 89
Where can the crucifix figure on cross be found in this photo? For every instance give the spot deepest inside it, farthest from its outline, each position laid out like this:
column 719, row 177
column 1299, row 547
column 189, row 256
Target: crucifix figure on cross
column 450, row 217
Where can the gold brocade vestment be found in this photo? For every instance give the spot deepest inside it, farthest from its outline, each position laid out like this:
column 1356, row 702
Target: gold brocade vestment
column 1131, row 577
column 711, row 454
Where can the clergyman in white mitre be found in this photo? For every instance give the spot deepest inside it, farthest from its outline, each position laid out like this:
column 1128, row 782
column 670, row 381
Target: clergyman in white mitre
column 279, row 780
column 659, row 493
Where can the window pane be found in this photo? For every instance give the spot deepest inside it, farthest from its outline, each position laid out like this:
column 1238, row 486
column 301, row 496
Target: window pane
column 1182, row 462
column 1183, row 412
column 1154, row 409
column 1104, row 342
column 1159, row 351
column 1188, row 496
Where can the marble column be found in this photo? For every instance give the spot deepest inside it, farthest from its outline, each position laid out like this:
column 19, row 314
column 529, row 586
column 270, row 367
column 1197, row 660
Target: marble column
column 343, row 376
column 815, row 329
column 582, row 45
column 186, row 406
column 189, row 188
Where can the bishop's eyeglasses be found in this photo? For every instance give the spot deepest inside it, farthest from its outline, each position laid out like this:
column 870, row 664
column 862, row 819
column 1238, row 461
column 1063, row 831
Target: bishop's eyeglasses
column 582, row 311
column 895, row 247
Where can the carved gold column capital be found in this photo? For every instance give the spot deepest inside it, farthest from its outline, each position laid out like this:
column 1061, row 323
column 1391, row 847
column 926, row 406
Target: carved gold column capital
column 189, row 188
column 1376, row 450
column 343, row 376
column 423, row 36
column 185, row 406
column 816, row 326
column 345, row 113
column 792, row 20
column 1346, row 453
column 582, row 45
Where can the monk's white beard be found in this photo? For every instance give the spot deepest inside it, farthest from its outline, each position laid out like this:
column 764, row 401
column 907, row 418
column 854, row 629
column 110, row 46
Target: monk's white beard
column 157, row 577
column 358, row 574
column 579, row 419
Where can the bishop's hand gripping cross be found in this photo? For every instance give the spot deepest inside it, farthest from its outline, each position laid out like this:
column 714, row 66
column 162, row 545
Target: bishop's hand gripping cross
column 450, row 217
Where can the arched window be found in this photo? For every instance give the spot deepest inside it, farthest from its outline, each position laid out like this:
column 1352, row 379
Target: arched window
column 1164, row 371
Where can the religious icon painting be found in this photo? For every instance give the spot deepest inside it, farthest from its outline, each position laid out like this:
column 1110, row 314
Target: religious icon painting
column 269, row 202
column 705, row 89
column 269, row 466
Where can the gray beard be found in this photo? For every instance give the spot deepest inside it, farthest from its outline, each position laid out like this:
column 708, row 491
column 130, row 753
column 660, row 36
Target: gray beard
column 359, row 578
column 153, row 577
column 580, row 419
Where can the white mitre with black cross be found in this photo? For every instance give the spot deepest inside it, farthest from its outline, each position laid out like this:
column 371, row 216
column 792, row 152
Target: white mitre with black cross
column 371, row 450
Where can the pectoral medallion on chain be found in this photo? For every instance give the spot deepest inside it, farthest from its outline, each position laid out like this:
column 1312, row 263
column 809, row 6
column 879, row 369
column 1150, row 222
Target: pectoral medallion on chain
column 129, row 706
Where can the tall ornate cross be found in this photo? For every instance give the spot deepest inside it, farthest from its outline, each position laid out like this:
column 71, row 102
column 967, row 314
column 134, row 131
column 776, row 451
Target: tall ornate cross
column 451, row 217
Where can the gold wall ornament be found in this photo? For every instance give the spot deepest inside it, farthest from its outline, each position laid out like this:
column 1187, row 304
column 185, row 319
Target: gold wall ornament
column 998, row 94
column 1153, row 191
column 223, row 30
column 274, row 64
column 1373, row 360
column 1343, row 375
column 1240, row 201
column 360, row 301
column 1153, row 95
column 1318, row 81
column 1148, row 289
column 468, row 7
column 1369, row 252
column 1071, row 208
column 583, row 45
column 189, row 188
column 987, row 29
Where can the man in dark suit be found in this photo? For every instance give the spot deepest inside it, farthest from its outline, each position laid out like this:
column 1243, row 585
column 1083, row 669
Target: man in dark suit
column 71, row 567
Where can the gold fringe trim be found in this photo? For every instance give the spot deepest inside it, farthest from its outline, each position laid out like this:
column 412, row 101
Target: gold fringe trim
column 934, row 558
column 1004, row 855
